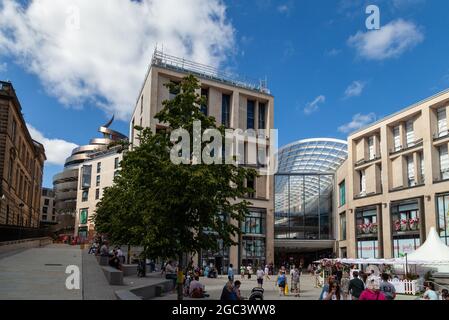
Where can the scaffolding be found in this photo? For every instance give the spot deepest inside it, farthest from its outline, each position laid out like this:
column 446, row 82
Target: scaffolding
column 167, row 61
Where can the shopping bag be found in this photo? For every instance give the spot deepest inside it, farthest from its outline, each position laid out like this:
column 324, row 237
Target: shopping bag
column 286, row 289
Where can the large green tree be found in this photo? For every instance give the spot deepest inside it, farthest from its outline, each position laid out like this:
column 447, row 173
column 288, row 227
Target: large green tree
column 172, row 209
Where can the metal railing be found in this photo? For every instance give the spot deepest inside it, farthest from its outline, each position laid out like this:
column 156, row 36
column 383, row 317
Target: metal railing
column 168, row 61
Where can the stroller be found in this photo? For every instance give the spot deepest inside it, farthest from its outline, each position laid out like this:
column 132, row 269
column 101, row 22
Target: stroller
column 256, row 294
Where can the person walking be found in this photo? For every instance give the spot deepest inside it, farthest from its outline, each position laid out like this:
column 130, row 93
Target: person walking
column 344, row 286
column 295, row 281
column 259, row 275
column 387, row 288
column 267, row 272
column 242, row 272
column 281, row 282
column 372, row 291
column 231, row 273
column 356, row 286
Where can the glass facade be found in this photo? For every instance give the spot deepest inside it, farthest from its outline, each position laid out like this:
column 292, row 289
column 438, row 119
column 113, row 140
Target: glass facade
column 443, row 217
column 304, row 188
column 342, row 193
column 226, row 110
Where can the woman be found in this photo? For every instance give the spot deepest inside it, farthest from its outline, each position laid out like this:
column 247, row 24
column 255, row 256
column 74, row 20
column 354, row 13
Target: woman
column 326, row 286
column 170, row 273
column 372, row 291
column 281, row 281
column 430, row 293
column 333, row 292
column 344, row 285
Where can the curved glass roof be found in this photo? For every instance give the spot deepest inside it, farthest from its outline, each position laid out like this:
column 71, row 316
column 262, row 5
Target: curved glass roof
column 307, row 157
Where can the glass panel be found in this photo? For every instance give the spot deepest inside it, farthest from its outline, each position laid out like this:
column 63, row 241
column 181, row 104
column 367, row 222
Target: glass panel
column 444, row 162
column 250, row 115
column 262, row 108
column 397, row 138
column 83, row 216
column 410, row 134
column 371, row 147
column 411, row 171
column 367, row 249
column 442, row 122
column 226, row 110
column 405, row 245
column 312, row 207
column 343, row 226
column 205, row 95
column 296, row 199
column 86, row 175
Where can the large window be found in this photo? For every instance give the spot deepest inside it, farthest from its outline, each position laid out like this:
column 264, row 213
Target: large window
column 205, row 96
column 405, row 218
column 362, row 181
column 250, row 114
column 368, row 249
column 116, row 163
column 342, row 193
column 253, row 249
column 226, row 110
column 397, row 138
column 442, row 122
column 444, row 162
column 254, row 223
column 404, row 245
column 366, row 222
column 410, row 133
column 85, row 195
column 86, row 176
column 410, row 171
column 173, row 92
column 343, row 226
column 83, row 216
column 262, row 115
column 371, row 148
column 443, row 217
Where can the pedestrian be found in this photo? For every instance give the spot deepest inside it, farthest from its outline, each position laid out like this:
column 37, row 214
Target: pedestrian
column 242, row 272
column 356, row 286
column 333, row 292
column 372, row 291
column 231, row 272
column 236, row 289
column 281, row 282
column 260, row 275
column 267, row 272
column 387, row 288
column 170, row 273
column 121, row 255
column 430, row 293
column 317, row 277
column 344, row 286
column 444, row 294
column 329, row 280
column 250, row 271
column 295, row 281
column 228, row 292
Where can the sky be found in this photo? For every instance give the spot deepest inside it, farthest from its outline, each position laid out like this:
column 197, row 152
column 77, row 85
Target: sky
column 75, row 63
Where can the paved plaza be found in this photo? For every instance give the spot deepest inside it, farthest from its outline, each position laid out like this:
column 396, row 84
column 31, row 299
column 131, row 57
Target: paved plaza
column 39, row 274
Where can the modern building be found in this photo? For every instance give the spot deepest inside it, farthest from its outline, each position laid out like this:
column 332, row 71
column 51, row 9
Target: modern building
column 235, row 104
column 66, row 183
column 21, row 165
column 304, row 200
column 48, row 211
column 394, row 185
column 95, row 175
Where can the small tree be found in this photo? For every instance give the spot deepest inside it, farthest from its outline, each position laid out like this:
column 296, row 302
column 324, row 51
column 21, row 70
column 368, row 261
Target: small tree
column 172, row 209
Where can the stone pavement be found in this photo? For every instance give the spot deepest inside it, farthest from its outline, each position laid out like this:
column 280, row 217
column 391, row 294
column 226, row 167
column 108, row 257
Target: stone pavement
column 39, row 273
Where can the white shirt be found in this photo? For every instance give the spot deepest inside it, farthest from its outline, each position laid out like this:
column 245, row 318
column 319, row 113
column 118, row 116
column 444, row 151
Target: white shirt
column 260, row 274
column 325, row 294
column 266, row 270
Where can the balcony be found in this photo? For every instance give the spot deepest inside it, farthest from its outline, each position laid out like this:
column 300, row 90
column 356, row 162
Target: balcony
column 411, row 186
column 406, row 225
column 441, row 135
column 367, row 230
column 367, row 161
column 362, row 195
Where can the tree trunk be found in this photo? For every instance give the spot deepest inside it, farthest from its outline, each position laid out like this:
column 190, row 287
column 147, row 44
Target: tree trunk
column 129, row 252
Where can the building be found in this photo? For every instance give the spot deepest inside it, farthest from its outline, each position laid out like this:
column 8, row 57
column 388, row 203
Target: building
column 394, row 185
column 66, row 183
column 304, row 200
column 21, row 165
column 95, row 175
column 48, row 211
column 235, row 104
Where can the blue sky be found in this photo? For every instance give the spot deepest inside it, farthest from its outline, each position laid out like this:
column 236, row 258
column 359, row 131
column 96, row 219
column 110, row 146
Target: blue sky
column 324, row 83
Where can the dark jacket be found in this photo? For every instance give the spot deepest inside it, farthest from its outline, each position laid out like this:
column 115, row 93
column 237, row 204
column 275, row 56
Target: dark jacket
column 356, row 287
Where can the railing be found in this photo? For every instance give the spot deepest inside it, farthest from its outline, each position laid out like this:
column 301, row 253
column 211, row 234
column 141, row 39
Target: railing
column 411, row 145
column 405, row 286
column 166, row 60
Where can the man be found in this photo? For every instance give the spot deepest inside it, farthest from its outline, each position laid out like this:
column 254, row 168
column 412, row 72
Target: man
column 231, row 273
column 104, row 251
column 196, row 289
column 260, row 275
column 267, row 272
column 121, row 255
column 356, row 286
column 387, row 288
column 295, row 281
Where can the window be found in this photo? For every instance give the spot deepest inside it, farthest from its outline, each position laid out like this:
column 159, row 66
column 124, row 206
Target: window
column 44, row 210
column 405, row 217
column 410, row 134
column 342, row 193
column 86, row 176
column 97, row 184
column 46, row 202
column 83, row 216
column 252, row 248
column 254, row 223
column 116, row 173
column 366, row 222
column 343, row 226
column 443, row 217
column 251, row 185
column 362, row 178
column 174, row 91
column 371, row 148
column 13, row 131
column 226, row 110
column 44, row 217
column 250, row 114
column 53, row 218
column 368, row 249
column 99, row 167
column 397, row 138
column 97, row 194
column 410, row 171
column 205, row 95
column 442, row 122
column 10, row 170
column 421, row 167
column 444, row 162
column 116, row 163
column 405, row 245
column 141, row 104
column 262, row 112
column 85, row 195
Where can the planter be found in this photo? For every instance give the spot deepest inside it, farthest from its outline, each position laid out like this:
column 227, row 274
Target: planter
column 404, row 227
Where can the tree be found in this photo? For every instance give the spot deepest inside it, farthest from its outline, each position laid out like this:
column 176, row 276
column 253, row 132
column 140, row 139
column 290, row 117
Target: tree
column 172, row 209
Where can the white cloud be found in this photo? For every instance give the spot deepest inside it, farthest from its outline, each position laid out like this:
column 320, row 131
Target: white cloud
column 390, row 41
column 56, row 150
column 313, row 106
column 355, row 89
column 358, row 121
column 104, row 57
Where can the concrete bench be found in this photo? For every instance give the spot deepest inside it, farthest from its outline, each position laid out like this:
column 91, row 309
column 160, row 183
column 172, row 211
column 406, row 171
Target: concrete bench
column 103, row 260
column 129, row 270
column 114, row 276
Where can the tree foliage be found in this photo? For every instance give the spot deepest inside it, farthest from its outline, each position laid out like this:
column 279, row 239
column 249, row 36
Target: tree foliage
column 173, row 209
